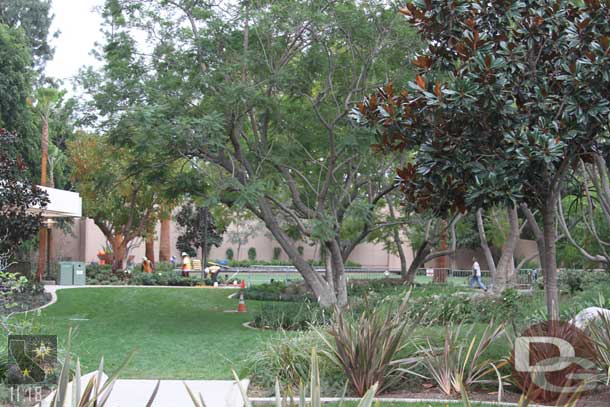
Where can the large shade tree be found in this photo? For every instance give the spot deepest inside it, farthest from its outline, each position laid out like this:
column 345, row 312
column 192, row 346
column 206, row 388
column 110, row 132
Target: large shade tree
column 123, row 204
column 509, row 97
column 259, row 96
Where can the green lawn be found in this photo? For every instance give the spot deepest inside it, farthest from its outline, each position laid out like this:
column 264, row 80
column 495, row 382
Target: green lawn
column 416, row 404
column 261, row 278
column 178, row 333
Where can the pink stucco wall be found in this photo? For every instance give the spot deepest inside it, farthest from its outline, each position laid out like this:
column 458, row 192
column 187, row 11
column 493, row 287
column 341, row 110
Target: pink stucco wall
column 86, row 239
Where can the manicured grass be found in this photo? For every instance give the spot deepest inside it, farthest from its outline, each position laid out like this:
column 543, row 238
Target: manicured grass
column 266, row 277
column 179, row 333
column 417, row 404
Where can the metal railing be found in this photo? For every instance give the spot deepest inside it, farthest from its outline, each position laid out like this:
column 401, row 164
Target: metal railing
column 264, row 274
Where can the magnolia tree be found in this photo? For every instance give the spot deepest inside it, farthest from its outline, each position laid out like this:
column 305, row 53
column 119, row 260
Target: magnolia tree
column 509, row 96
column 17, row 195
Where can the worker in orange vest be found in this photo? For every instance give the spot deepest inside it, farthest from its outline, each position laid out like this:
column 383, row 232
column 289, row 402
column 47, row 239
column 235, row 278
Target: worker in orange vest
column 147, row 265
column 186, row 265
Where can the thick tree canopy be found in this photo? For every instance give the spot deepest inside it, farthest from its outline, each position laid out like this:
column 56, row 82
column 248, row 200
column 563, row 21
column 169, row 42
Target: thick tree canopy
column 34, row 18
column 509, row 96
column 17, row 195
column 199, row 229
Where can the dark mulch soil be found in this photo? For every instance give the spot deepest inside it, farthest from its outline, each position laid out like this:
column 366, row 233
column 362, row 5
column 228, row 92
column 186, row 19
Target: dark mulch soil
column 595, row 399
column 20, row 302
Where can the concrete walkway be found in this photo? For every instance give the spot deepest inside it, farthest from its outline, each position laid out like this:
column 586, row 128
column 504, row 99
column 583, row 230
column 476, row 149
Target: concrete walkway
column 171, row 393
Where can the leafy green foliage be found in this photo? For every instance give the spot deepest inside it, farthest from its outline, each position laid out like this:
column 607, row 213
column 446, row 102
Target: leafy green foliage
column 277, row 252
column 17, row 195
column 574, row 281
column 15, row 77
column 496, row 104
column 34, row 18
column 286, row 357
column 291, row 316
column 199, row 229
column 229, row 254
column 366, row 347
column 461, row 363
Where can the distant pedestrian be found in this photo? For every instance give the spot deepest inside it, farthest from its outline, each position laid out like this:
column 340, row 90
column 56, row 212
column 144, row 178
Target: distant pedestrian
column 476, row 275
column 186, row 265
column 534, row 275
column 172, row 260
column 147, row 265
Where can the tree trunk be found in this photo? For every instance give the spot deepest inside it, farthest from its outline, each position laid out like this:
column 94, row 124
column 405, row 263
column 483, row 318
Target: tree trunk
column 150, row 247
column 164, row 240
column 491, row 264
column 204, row 249
column 338, row 271
column 42, row 244
column 551, row 287
column 42, row 253
column 325, row 295
column 398, row 242
column 533, row 225
column 440, row 271
column 328, row 266
column 506, row 265
column 420, row 256
column 119, row 251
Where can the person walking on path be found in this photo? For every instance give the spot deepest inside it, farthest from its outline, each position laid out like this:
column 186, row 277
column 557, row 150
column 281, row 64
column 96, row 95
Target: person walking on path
column 476, row 275
column 147, row 265
column 186, row 265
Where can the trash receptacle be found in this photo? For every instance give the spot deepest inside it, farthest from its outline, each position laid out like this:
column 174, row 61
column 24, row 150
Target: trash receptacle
column 79, row 274
column 66, row 274
column 71, row 273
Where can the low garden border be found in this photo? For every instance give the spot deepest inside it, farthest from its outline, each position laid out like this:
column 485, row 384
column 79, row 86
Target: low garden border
column 264, row 401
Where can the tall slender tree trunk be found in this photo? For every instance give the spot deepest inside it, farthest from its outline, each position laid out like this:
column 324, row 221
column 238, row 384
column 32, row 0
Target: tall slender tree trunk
column 150, row 247
column 165, row 239
column 398, row 242
column 440, row 272
column 204, row 257
column 328, row 266
column 489, row 258
column 506, row 265
column 551, row 287
column 42, row 243
column 338, row 271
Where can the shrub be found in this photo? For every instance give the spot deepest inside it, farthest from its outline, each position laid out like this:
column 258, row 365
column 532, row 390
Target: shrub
column 366, row 347
column 287, row 357
column 252, row 254
column 459, row 363
column 277, row 252
column 229, row 253
column 600, row 335
column 291, row 316
column 277, row 291
column 574, row 281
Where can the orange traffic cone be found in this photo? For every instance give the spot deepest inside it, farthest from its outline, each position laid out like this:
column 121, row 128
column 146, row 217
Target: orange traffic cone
column 241, row 307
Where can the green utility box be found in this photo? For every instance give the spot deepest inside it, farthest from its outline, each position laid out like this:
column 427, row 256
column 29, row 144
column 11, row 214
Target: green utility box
column 79, row 274
column 71, row 273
